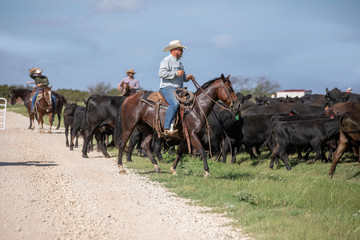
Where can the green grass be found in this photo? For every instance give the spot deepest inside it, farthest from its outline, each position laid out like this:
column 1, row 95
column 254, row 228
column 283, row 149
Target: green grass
column 303, row 203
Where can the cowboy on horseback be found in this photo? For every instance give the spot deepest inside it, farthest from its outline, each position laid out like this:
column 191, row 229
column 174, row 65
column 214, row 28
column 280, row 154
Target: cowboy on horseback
column 40, row 82
column 133, row 82
column 172, row 76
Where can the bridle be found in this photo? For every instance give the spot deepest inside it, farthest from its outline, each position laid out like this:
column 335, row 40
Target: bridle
column 231, row 106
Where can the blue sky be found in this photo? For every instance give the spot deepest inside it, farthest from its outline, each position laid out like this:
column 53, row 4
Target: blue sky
column 78, row 43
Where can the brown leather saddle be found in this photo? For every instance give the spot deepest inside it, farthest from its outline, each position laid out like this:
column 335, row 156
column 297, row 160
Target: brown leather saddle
column 155, row 97
column 158, row 101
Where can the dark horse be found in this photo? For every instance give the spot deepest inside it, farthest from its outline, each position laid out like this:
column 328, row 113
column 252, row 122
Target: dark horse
column 135, row 113
column 25, row 95
column 43, row 106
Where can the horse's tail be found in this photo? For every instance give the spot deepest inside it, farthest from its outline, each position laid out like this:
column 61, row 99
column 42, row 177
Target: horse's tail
column 118, row 129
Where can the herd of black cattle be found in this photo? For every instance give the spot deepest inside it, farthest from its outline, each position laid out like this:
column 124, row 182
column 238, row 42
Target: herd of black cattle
column 319, row 122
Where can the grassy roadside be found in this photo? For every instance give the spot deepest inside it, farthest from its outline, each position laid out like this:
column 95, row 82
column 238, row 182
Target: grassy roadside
column 303, row 203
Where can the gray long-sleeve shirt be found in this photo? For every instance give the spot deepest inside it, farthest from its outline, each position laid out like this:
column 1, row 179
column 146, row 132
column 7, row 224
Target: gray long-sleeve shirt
column 167, row 72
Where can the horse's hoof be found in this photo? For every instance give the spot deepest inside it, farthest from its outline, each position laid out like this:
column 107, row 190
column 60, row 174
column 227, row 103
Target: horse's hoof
column 173, row 171
column 85, row 156
column 67, row 145
column 207, row 175
column 157, row 169
column 122, row 172
column 128, row 160
column 71, row 149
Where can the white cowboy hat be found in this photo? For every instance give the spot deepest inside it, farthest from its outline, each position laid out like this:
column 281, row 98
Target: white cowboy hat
column 349, row 89
column 130, row 71
column 38, row 71
column 174, row 44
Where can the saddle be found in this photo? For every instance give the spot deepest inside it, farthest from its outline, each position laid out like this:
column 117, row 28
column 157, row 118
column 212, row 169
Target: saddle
column 158, row 101
column 40, row 96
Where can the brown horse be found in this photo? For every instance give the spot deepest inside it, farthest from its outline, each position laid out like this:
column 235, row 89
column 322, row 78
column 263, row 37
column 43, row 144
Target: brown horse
column 25, row 95
column 136, row 113
column 125, row 89
column 43, row 106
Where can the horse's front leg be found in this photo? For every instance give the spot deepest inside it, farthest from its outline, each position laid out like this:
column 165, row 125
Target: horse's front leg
column 196, row 144
column 181, row 149
column 30, row 127
column 41, row 124
column 50, row 121
column 32, row 121
column 59, row 118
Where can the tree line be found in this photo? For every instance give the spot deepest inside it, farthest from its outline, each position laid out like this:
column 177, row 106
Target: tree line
column 255, row 86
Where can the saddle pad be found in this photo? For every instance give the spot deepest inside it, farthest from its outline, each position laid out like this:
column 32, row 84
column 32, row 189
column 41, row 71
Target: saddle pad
column 155, row 97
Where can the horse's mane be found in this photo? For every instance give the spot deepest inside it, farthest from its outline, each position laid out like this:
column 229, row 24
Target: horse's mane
column 207, row 84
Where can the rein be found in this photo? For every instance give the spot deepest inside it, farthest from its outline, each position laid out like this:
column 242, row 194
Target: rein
column 185, row 103
column 197, row 85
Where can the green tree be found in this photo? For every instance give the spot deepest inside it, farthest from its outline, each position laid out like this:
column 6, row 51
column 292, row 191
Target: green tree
column 255, row 86
column 100, row 88
column 75, row 96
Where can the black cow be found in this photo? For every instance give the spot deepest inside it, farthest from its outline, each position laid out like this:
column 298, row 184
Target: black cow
column 297, row 108
column 244, row 99
column 249, row 132
column 74, row 117
column 60, row 101
column 336, row 96
column 101, row 111
column 313, row 133
column 314, row 99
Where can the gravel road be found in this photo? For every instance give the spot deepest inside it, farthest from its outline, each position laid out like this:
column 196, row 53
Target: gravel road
column 49, row 192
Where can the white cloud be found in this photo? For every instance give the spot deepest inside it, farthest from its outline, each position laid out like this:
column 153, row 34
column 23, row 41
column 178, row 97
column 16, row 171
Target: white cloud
column 118, row 5
column 223, row 41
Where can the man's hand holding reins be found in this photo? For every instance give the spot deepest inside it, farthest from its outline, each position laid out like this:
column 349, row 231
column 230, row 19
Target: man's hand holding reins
column 190, row 77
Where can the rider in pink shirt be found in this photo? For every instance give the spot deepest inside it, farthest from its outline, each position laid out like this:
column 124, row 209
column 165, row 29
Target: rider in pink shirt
column 133, row 83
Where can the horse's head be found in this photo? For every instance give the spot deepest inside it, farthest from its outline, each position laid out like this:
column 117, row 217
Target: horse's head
column 13, row 97
column 126, row 90
column 226, row 93
column 47, row 95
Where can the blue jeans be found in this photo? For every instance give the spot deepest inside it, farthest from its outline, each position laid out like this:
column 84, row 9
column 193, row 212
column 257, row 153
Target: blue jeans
column 169, row 94
column 34, row 99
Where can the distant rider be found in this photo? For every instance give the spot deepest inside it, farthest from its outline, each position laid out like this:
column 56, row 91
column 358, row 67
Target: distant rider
column 40, row 82
column 131, row 80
